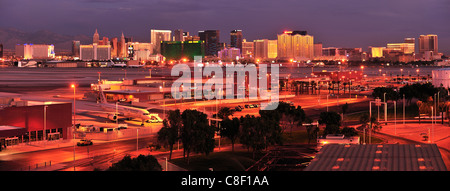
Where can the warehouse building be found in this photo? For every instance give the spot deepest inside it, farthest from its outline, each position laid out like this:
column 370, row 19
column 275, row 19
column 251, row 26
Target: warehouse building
column 23, row 121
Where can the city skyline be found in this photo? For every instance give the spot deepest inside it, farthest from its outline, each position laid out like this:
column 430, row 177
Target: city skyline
column 335, row 24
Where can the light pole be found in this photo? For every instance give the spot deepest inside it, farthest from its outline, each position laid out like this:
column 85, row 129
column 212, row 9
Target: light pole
column 73, row 125
column 45, row 122
column 403, row 109
column 395, row 117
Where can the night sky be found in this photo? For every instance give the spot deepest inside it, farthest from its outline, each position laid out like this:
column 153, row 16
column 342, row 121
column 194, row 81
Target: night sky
column 338, row 23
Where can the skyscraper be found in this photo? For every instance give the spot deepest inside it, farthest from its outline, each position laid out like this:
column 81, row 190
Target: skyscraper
column 212, row 40
column 157, row 37
column 114, row 47
column 236, row 39
column 264, row 49
column 248, row 49
column 76, row 48
column 178, row 35
column 428, row 43
column 96, row 37
column 122, row 48
column 318, row 50
column 295, row 45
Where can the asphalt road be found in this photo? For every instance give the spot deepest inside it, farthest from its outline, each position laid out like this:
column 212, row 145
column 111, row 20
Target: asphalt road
column 86, row 157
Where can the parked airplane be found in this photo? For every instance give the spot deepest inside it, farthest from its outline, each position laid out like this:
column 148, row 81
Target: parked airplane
column 126, row 111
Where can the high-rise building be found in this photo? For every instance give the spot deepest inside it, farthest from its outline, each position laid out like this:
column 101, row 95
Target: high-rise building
column 157, row 37
column 114, row 47
column 177, row 50
column 122, row 47
column 139, row 51
column 248, row 48
column 407, row 47
column 265, row 49
column 178, row 35
column 211, row 38
column 236, row 39
column 96, row 37
column 95, row 52
column 35, row 51
column 76, row 48
column 295, row 45
column 318, row 50
column 428, row 43
column 376, row 52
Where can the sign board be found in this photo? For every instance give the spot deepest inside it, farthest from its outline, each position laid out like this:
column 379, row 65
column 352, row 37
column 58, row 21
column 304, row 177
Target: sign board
column 378, row 102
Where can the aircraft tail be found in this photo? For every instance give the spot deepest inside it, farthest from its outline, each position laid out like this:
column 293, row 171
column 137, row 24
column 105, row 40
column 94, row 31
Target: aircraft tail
column 101, row 95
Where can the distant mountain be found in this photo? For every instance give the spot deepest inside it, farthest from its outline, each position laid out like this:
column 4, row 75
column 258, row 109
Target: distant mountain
column 10, row 37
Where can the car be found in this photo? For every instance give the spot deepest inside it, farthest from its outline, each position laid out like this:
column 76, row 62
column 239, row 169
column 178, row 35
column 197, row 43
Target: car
column 246, row 106
column 84, row 142
column 238, row 108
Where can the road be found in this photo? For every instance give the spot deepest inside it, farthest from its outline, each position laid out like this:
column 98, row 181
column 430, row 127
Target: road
column 86, row 157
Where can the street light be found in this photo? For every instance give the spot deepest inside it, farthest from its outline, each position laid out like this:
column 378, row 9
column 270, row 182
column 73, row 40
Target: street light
column 73, row 125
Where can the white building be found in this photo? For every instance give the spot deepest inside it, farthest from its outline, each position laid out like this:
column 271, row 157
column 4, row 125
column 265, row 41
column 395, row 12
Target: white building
column 35, row 51
column 139, row 51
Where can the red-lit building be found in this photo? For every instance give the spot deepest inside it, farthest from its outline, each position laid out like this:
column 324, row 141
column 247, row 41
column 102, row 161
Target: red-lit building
column 26, row 123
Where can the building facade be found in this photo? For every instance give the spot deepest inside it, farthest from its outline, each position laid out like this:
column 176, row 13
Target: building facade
column 177, row 50
column 296, row 45
column 35, row 51
column 211, row 38
column 236, row 39
column 95, row 52
column 157, row 37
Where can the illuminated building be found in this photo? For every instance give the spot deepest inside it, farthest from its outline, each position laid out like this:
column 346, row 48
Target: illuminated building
column 295, row 45
column 114, row 47
column 139, row 51
column 265, row 49
column 95, row 52
column 157, row 37
column 122, row 48
column 377, row 52
column 406, row 48
column 248, row 49
column 229, row 53
column 191, row 38
column 236, row 39
column 272, row 49
column 177, row 50
column 212, row 41
column 96, row 37
column 35, row 51
column 428, row 46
